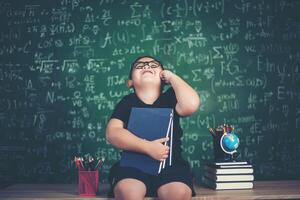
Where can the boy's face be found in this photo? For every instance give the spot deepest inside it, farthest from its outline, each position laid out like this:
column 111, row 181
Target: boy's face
column 146, row 71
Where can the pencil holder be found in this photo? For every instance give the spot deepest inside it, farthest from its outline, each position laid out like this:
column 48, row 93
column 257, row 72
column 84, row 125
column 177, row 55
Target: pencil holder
column 88, row 183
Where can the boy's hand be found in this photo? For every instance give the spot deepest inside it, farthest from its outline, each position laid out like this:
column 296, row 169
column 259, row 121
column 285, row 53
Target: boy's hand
column 157, row 150
column 166, row 75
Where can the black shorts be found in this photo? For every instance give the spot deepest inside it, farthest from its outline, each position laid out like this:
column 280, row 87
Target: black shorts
column 176, row 173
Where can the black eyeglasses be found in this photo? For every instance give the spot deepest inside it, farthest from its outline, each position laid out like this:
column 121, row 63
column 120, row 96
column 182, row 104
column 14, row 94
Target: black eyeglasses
column 140, row 65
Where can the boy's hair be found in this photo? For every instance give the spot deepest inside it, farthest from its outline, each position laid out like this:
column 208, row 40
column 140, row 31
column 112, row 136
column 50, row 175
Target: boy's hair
column 136, row 60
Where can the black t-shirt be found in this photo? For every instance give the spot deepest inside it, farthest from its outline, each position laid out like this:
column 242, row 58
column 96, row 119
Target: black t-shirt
column 165, row 100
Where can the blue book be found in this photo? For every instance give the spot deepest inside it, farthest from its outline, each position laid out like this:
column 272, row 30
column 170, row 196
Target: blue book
column 149, row 124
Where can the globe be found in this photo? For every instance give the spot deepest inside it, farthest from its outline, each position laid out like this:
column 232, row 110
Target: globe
column 229, row 143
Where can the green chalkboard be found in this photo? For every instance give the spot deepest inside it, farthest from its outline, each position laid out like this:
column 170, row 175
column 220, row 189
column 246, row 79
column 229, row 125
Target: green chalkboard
column 64, row 65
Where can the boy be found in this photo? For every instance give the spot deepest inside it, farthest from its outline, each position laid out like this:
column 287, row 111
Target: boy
column 147, row 77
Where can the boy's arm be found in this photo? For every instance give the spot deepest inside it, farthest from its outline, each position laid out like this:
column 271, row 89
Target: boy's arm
column 188, row 100
column 123, row 139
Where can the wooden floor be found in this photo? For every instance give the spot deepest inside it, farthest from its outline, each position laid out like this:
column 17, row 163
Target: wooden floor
column 261, row 190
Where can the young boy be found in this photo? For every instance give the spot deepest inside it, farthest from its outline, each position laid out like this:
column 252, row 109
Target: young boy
column 147, row 77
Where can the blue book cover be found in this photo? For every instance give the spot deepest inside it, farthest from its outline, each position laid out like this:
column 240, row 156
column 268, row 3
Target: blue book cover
column 149, row 124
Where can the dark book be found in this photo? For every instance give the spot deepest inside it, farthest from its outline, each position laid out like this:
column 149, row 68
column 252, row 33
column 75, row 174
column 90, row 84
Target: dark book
column 233, row 166
column 149, row 124
column 228, row 185
column 229, row 164
column 218, row 170
column 229, row 177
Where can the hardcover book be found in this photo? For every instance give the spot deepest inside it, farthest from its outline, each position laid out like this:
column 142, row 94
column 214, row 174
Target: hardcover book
column 228, row 185
column 213, row 170
column 149, row 124
column 233, row 166
column 229, row 177
column 229, row 164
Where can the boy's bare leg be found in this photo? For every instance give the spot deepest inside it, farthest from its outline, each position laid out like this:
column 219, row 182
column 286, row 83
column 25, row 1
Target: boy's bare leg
column 131, row 189
column 174, row 191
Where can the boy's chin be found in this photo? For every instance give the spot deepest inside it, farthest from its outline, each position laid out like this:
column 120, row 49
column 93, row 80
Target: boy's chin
column 150, row 81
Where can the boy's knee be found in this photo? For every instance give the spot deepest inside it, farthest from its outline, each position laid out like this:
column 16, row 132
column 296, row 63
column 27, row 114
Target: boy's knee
column 183, row 193
column 180, row 192
column 129, row 189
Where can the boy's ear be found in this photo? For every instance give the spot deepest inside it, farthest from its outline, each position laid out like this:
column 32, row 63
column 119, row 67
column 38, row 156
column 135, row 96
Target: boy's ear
column 130, row 83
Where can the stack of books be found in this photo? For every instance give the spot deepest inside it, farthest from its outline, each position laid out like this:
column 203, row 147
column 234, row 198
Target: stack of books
column 228, row 175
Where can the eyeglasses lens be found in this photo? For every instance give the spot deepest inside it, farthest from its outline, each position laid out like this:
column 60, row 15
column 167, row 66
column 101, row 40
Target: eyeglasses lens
column 141, row 65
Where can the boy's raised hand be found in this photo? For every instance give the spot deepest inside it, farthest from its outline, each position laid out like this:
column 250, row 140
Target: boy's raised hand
column 158, row 150
column 166, row 75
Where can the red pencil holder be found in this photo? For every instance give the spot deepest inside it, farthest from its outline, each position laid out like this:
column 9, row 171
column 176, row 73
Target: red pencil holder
column 88, row 183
